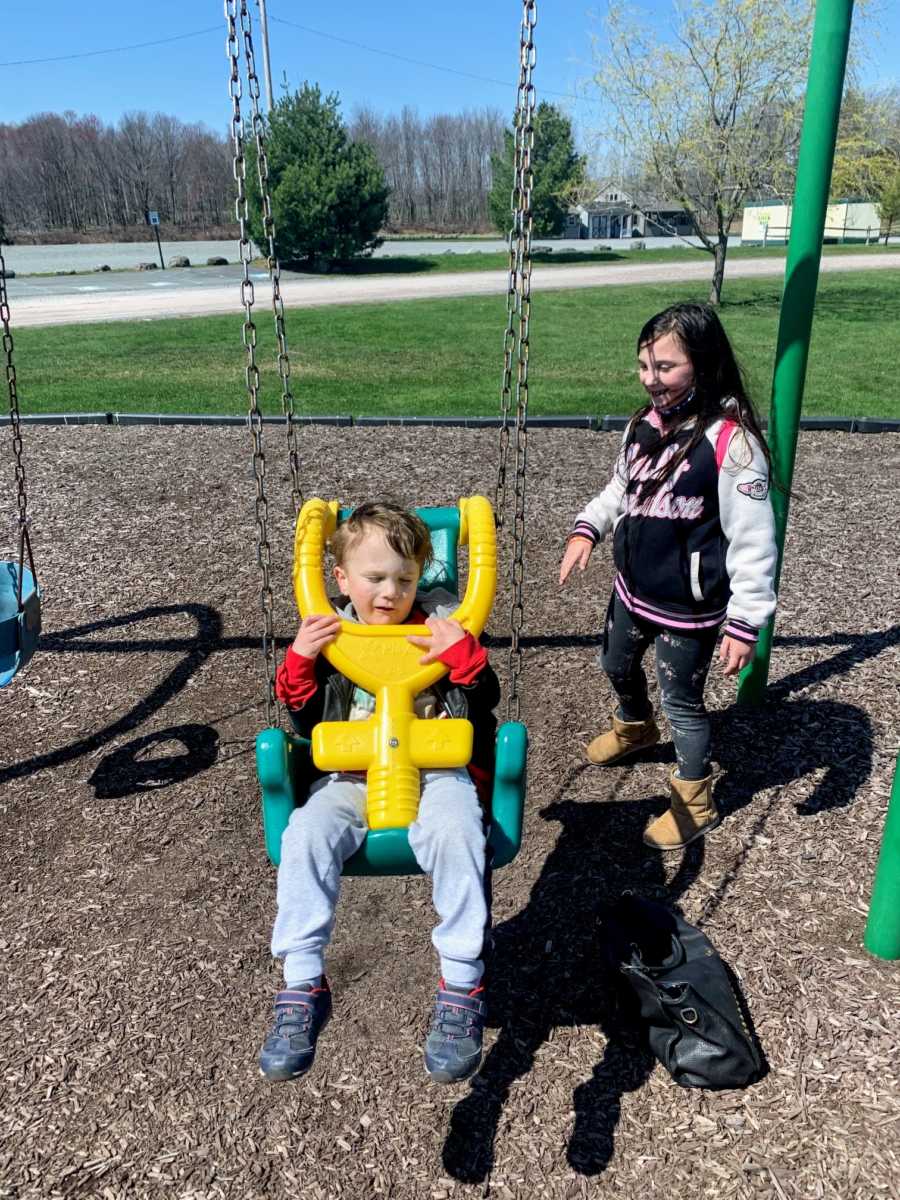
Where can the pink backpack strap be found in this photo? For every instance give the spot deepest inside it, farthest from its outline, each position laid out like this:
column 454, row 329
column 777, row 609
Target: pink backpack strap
column 724, row 437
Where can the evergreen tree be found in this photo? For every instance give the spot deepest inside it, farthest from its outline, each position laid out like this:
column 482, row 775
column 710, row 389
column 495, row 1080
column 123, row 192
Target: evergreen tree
column 557, row 171
column 328, row 194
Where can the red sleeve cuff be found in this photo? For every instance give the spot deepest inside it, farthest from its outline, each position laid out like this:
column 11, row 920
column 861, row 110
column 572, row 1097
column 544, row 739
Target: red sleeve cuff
column 295, row 679
column 466, row 659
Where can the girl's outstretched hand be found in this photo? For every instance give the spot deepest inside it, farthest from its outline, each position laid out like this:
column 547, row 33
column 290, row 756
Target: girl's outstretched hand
column 444, row 634
column 734, row 655
column 315, row 632
column 578, row 551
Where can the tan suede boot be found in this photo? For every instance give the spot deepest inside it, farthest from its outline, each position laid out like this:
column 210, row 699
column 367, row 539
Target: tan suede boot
column 625, row 737
column 692, row 814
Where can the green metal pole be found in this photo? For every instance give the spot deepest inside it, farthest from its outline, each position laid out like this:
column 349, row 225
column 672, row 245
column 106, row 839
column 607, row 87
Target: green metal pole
column 828, row 59
column 883, row 926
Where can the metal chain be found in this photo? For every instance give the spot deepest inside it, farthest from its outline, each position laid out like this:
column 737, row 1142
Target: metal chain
column 262, row 167
column 519, row 307
column 16, row 424
column 251, row 372
column 515, row 255
column 509, row 346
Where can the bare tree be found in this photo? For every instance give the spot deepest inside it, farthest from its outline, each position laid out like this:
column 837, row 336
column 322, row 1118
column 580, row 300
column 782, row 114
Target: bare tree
column 438, row 170
column 70, row 172
column 168, row 133
column 139, row 159
column 713, row 115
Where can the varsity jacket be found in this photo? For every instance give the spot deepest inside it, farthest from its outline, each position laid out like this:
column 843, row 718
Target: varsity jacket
column 701, row 550
column 313, row 691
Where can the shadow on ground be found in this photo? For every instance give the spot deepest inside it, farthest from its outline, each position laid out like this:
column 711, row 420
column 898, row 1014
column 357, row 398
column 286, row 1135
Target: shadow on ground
column 402, row 264
column 545, row 970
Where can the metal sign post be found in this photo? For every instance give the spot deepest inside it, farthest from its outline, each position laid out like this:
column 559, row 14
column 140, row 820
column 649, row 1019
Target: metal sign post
column 152, row 219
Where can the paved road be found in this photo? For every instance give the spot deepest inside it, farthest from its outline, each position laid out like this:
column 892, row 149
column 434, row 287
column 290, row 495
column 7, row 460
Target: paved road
column 200, row 293
column 27, row 260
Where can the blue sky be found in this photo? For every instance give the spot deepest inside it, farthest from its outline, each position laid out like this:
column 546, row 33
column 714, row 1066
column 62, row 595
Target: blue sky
column 360, row 50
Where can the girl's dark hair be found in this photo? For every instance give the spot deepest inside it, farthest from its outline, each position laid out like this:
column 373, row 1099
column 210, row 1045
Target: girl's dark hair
column 719, row 385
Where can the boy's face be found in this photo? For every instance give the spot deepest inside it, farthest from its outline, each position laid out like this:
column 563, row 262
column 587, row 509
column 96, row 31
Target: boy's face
column 380, row 583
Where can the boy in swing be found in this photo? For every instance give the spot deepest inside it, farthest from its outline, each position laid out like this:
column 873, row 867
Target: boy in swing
column 380, row 553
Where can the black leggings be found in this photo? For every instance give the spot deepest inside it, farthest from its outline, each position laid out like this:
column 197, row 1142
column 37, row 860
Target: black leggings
column 682, row 664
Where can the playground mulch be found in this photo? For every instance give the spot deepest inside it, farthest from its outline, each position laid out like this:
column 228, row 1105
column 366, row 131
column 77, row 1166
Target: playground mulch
column 137, row 900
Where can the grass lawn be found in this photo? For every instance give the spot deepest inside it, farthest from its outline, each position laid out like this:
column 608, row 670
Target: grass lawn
column 444, row 357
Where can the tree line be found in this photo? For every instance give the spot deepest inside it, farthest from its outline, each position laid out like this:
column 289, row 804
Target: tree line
column 438, row 169
column 71, row 173
column 64, row 172
column 336, row 190
column 448, row 173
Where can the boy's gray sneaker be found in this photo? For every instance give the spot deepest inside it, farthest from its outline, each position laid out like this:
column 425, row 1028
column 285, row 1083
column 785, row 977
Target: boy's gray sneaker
column 300, row 1016
column 453, row 1045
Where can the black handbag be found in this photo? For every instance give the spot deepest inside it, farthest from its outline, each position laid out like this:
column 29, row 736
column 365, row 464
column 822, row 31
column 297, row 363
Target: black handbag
column 687, row 999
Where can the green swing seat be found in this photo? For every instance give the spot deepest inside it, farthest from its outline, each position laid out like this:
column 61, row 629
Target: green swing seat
column 283, row 761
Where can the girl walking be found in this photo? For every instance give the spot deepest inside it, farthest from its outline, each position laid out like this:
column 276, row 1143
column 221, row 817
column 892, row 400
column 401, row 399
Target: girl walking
column 694, row 547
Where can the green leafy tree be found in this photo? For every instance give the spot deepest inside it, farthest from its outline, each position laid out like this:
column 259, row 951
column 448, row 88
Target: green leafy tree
column 867, row 155
column 889, row 204
column 557, row 171
column 712, row 110
column 328, row 193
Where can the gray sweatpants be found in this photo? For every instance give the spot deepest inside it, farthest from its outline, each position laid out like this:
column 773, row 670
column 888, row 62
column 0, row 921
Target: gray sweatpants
column 447, row 839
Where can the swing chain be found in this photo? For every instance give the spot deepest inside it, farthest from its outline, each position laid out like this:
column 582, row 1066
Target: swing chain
column 251, row 373
column 274, row 267
column 518, row 254
column 16, row 424
column 22, row 495
column 519, row 306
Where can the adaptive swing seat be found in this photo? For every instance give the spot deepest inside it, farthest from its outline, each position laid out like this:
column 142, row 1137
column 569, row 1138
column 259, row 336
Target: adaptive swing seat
column 393, row 744
column 20, row 618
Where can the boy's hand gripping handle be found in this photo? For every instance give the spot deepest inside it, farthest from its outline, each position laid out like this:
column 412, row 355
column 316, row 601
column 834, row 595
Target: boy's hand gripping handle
column 393, row 744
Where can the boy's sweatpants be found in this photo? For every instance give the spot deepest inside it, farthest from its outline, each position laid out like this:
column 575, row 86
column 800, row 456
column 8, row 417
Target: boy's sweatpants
column 447, row 839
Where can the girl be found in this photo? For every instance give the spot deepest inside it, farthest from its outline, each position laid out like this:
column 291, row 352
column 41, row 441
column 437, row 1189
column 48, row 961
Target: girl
column 694, row 546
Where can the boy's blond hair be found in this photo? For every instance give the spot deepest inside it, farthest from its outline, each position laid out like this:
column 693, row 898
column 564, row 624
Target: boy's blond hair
column 405, row 533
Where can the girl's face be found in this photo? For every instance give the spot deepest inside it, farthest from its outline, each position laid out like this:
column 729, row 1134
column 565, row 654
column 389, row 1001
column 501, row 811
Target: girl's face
column 665, row 370
column 380, row 582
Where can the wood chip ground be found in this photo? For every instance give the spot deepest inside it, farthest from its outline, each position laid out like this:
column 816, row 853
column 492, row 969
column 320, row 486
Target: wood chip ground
column 137, row 900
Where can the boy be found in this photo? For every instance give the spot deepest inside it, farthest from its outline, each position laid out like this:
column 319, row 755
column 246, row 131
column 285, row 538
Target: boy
column 380, row 552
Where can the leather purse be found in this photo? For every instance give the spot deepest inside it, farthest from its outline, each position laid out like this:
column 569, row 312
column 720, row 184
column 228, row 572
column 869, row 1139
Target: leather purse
column 683, row 994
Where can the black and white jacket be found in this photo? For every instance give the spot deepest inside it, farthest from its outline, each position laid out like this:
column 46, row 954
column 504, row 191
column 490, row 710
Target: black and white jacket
column 702, row 549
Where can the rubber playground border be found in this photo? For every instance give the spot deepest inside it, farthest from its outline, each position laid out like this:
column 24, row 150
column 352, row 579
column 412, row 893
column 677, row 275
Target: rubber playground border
column 597, row 424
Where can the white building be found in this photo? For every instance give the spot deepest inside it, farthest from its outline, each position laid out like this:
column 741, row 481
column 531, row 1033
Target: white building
column 617, row 213
column 845, row 221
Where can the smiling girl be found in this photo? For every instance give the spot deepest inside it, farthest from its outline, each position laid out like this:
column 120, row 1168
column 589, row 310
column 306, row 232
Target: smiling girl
column 694, row 547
